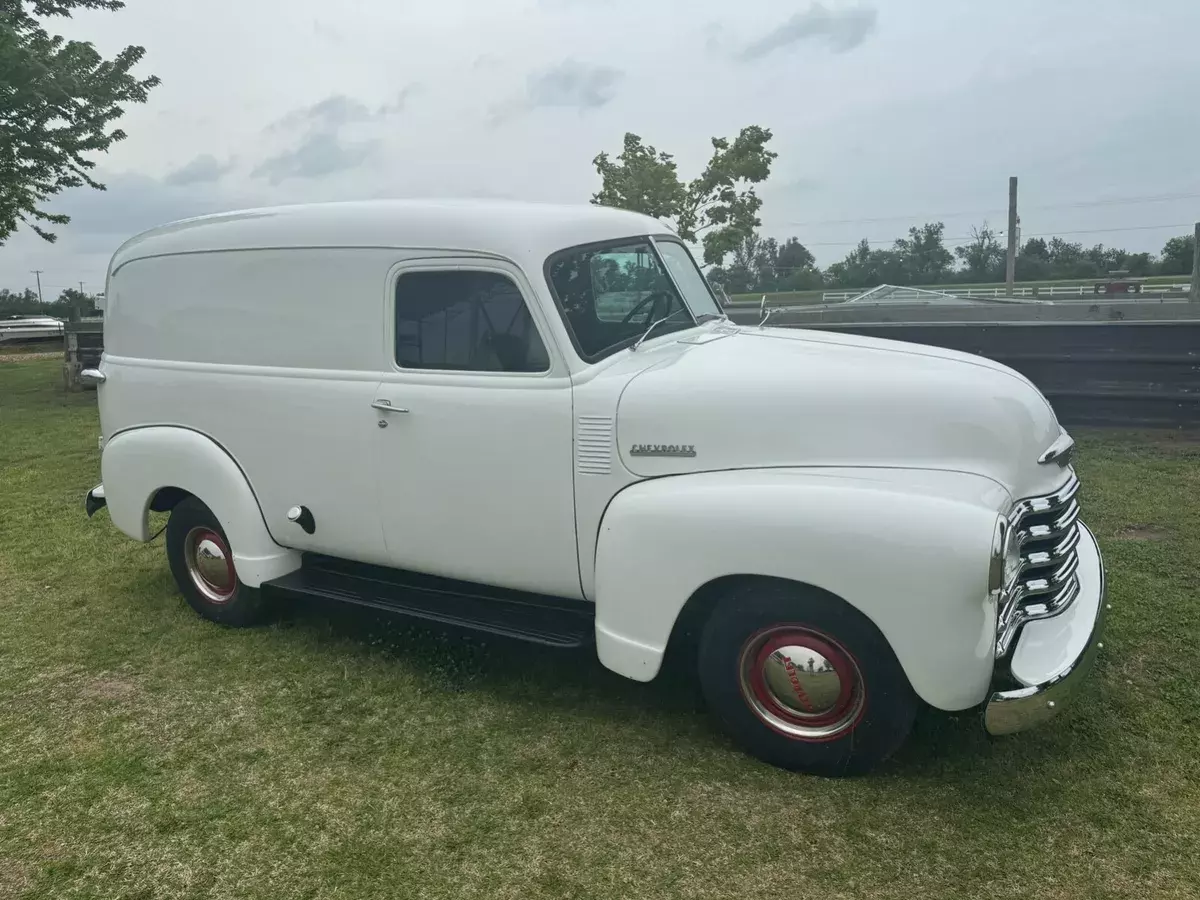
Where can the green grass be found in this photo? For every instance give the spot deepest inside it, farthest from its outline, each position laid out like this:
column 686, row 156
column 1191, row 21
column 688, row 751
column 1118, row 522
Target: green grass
column 145, row 753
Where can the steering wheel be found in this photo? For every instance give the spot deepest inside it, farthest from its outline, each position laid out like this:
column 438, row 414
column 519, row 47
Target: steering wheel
column 653, row 297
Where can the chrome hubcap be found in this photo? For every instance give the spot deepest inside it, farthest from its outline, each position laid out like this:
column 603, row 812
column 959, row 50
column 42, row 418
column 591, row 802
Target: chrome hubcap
column 802, row 680
column 210, row 564
column 801, row 683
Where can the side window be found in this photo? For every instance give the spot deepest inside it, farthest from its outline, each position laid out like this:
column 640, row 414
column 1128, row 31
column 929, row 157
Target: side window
column 466, row 321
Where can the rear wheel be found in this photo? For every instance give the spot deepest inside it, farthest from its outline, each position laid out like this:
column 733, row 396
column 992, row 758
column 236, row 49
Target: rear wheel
column 803, row 681
column 202, row 562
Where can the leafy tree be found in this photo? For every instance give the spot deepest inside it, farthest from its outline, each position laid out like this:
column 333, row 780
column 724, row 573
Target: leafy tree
column 70, row 304
column 58, row 100
column 794, row 256
column 76, row 303
column 1066, row 258
column 765, row 265
column 796, row 267
column 1035, row 248
column 855, row 270
column 923, row 256
column 720, row 204
column 19, row 304
column 867, row 268
column 1177, row 255
column 1140, row 264
column 983, row 258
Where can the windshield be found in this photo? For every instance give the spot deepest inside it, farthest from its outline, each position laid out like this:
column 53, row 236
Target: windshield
column 688, row 278
column 609, row 294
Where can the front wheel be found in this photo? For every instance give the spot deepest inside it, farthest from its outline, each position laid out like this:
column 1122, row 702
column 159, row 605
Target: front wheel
column 202, row 562
column 803, row 681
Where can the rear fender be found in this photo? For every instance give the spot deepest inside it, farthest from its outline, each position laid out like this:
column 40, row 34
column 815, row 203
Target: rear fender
column 908, row 548
column 137, row 464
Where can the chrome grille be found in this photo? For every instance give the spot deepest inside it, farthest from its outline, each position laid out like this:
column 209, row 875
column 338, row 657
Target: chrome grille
column 1046, row 530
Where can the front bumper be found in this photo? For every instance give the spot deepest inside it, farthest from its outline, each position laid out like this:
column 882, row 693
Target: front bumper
column 1052, row 657
column 95, row 500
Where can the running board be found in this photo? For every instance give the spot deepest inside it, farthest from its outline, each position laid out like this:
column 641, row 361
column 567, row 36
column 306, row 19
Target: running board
column 536, row 618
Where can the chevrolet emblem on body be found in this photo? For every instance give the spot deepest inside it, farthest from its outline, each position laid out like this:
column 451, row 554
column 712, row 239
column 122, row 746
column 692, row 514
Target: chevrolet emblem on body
column 662, row 450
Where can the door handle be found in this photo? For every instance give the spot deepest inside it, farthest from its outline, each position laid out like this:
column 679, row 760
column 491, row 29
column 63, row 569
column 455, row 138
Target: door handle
column 386, row 406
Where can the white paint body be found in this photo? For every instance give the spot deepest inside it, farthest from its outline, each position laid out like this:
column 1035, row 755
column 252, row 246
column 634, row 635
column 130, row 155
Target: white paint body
column 244, row 353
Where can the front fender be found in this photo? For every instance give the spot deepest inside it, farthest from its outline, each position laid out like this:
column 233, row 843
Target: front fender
column 137, row 464
column 908, row 548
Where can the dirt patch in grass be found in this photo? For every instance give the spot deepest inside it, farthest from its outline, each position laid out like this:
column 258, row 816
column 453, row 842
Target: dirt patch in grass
column 109, row 688
column 1143, row 532
column 16, row 877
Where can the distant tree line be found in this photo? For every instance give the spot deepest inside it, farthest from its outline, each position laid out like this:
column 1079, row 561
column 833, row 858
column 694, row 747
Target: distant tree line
column 70, row 304
column 765, row 265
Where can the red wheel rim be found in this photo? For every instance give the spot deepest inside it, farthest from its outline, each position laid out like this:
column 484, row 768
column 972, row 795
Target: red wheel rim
column 802, row 683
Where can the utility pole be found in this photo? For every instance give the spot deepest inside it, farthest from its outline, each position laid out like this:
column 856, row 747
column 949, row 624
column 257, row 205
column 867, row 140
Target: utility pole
column 1196, row 267
column 38, row 273
column 1010, row 271
column 81, row 287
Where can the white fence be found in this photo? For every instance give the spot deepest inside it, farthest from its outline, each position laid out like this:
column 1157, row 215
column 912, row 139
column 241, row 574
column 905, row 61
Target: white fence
column 1070, row 290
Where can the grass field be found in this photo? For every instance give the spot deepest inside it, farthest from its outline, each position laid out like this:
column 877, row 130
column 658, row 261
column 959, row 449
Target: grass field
column 145, row 753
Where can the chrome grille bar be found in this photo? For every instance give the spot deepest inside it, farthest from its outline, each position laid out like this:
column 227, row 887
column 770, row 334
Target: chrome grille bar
column 1048, row 532
column 1062, row 549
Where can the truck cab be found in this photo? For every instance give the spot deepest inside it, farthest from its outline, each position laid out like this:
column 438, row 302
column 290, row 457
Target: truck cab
column 536, row 421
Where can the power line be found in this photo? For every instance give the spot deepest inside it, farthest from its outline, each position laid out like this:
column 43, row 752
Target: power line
column 1082, row 204
column 971, row 237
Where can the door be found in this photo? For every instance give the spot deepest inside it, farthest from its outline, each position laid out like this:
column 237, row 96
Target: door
column 474, row 445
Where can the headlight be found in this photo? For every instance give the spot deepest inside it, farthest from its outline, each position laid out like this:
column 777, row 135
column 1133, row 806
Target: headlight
column 1006, row 557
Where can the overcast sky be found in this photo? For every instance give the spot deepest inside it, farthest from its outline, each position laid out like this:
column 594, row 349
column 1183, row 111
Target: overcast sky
column 887, row 113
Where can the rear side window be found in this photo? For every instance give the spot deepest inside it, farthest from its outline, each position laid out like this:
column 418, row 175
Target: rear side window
column 465, row 321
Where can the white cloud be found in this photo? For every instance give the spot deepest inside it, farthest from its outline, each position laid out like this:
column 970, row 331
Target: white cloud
column 319, row 154
column 569, row 85
column 841, row 29
column 203, row 169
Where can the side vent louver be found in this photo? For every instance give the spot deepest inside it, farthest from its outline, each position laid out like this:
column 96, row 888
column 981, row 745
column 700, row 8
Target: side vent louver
column 593, row 445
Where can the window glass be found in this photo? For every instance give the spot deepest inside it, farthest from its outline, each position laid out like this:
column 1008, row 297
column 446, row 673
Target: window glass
column 689, row 278
column 466, row 321
column 610, row 295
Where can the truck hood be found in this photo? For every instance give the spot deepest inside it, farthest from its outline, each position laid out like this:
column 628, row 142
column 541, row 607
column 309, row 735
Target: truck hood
column 774, row 397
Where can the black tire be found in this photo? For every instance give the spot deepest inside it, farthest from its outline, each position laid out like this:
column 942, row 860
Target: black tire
column 194, row 531
column 867, row 721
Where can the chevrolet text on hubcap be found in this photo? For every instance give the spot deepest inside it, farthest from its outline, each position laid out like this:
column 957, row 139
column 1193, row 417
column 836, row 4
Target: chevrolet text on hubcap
column 801, row 683
column 210, row 564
